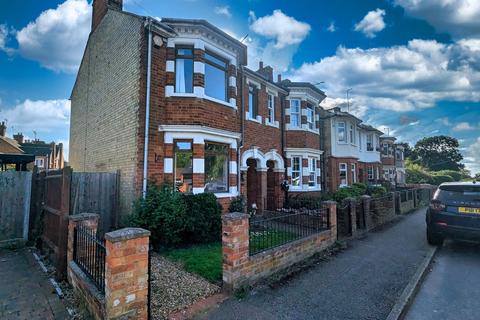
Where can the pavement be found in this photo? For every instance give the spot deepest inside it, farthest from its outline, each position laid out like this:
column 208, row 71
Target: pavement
column 362, row 282
column 451, row 290
column 25, row 291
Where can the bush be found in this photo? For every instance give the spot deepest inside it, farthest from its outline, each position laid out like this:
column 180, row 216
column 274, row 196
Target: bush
column 456, row 175
column 237, row 204
column 439, row 179
column 175, row 218
column 376, row 191
column 416, row 173
column 361, row 188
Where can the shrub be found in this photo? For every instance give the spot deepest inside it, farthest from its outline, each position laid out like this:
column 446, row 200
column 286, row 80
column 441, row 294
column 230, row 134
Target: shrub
column 346, row 192
column 438, row 179
column 376, row 191
column 360, row 187
column 456, row 175
column 175, row 218
column 237, row 204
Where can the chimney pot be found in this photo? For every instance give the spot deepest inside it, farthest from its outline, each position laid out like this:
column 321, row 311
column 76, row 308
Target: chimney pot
column 279, row 78
column 260, row 65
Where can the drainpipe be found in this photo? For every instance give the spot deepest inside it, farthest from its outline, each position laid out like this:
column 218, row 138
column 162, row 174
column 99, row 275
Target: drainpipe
column 242, row 130
column 147, row 110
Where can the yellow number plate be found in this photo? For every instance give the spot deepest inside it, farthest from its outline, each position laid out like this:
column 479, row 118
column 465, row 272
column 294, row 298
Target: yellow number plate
column 469, row 210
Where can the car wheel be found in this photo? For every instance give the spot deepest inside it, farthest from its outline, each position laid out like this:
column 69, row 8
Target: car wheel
column 434, row 238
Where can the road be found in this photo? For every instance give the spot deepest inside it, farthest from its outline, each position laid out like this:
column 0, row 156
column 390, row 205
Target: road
column 451, row 290
column 362, row 282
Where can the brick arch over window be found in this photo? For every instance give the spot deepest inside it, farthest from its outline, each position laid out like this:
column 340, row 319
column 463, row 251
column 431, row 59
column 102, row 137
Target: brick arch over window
column 256, row 154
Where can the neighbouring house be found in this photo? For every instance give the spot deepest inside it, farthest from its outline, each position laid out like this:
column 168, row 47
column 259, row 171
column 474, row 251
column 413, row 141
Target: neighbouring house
column 351, row 150
column 388, row 158
column 400, row 165
column 48, row 156
column 213, row 124
column 11, row 154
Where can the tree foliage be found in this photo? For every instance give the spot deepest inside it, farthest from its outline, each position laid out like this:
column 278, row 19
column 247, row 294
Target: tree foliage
column 439, row 153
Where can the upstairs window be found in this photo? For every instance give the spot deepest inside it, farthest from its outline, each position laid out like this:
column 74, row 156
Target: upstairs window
column 343, row 174
column 295, row 113
column 184, row 70
column 216, row 167
column 252, row 101
column 352, row 134
column 215, row 77
column 271, row 108
column 183, row 166
column 312, row 172
column 341, row 134
column 310, row 117
column 369, row 142
column 385, row 149
column 296, row 171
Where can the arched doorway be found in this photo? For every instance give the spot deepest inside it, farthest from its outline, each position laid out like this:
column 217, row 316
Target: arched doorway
column 272, row 201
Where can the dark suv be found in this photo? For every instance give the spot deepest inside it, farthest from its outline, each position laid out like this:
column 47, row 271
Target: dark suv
column 454, row 212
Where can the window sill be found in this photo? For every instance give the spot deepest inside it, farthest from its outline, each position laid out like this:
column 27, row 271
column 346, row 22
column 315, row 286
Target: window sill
column 202, row 96
column 226, row 194
column 258, row 119
column 274, row 124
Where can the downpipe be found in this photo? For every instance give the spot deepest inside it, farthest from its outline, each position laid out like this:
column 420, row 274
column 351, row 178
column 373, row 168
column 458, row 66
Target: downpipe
column 147, row 110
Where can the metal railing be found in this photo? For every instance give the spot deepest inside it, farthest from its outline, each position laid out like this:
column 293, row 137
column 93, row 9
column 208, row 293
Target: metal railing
column 89, row 254
column 274, row 229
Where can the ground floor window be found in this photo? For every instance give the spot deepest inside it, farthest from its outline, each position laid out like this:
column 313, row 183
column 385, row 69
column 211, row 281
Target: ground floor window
column 39, row 163
column 183, row 166
column 216, row 167
column 296, row 171
column 312, row 172
column 343, row 174
column 370, row 173
column 354, row 173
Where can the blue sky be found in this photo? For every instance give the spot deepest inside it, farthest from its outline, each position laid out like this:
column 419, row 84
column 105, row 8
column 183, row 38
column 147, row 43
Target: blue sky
column 413, row 65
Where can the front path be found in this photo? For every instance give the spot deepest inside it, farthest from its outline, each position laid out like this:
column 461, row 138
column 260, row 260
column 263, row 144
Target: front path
column 363, row 282
column 25, row 291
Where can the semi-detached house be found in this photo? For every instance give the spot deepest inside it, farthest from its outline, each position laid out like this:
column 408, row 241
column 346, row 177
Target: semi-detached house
column 172, row 101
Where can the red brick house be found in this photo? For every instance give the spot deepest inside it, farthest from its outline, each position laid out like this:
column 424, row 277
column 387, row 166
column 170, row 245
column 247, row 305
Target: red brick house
column 172, row 101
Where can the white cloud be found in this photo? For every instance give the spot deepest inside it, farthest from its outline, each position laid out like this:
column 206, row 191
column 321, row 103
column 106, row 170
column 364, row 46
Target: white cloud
column 399, row 78
column 284, row 29
column 43, row 116
column 372, row 23
column 463, row 126
column 460, row 18
column 332, row 27
column 3, row 36
column 223, row 11
column 57, row 37
column 472, row 159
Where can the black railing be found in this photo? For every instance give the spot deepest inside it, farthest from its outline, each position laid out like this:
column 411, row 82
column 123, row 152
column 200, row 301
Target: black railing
column 277, row 228
column 89, row 254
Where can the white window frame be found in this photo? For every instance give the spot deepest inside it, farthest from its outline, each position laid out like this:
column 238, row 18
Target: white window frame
column 311, row 117
column 296, row 114
column 342, row 125
column 299, row 171
column 271, row 108
column 340, row 170
column 39, row 163
column 370, row 139
column 370, row 173
column 354, row 172
column 352, row 133
column 312, row 170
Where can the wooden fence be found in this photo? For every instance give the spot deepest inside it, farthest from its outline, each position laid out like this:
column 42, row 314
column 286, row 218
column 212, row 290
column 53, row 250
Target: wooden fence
column 15, row 188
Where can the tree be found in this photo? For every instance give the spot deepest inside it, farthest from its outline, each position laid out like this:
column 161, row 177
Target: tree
column 439, row 153
column 408, row 151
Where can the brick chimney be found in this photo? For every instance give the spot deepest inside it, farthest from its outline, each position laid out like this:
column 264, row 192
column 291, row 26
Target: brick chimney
column 266, row 72
column 3, row 129
column 18, row 137
column 100, row 8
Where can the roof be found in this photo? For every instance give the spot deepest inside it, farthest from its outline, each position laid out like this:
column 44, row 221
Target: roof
column 369, row 128
column 37, row 149
column 263, row 78
column 13, row 158
column 388, row 138
column 338, row 112
column 12, row 143
column 291, row 84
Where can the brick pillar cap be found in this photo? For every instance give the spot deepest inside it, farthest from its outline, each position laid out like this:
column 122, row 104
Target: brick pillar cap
column 232, row 216
column 329, row 202
column 83, row 216
column 365, row 196
column 351, row 199
column 126, row 234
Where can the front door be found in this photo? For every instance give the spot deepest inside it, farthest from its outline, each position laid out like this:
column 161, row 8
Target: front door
column 252, row 182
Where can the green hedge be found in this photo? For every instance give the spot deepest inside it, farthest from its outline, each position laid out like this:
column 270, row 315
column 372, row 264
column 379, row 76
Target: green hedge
column 176, row 218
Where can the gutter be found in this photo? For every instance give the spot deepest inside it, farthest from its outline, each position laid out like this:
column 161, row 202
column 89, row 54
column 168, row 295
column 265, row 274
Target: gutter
column 147, row 109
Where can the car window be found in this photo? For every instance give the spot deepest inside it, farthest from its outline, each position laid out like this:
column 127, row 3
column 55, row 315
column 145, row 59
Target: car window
column 458, row 193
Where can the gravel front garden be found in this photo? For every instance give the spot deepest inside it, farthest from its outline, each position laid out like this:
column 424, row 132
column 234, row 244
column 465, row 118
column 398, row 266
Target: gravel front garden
column 173, row 288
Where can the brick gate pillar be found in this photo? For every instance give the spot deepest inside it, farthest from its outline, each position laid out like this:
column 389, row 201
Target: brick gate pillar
column 89, row 220
column 332, row 216
column 366, row 208
column 126, row 274
column 235, row 244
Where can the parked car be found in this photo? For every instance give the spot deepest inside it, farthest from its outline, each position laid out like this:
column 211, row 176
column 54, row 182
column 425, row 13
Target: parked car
column 454, row 212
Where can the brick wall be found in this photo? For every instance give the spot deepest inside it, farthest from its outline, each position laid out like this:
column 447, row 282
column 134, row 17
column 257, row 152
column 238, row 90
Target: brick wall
column 241, row 269
column 105, row 103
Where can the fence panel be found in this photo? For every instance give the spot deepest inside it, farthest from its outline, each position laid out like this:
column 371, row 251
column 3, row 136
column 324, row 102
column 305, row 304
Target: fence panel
column 96, row 192
column 15, row 190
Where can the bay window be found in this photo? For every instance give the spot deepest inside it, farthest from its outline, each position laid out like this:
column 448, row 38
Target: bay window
column 216, row 167
column 341, row 135
column 184, row 70
column 312, row 172
column 295, row 119
column 354, row 173
column 183, row 166
column 352, row 134
column 271, row 108
column 370, row 173
column 369, row 142
column 310, row 117
column 252, row 101
column 343, row 174
column 296, row 171
column 216, row 77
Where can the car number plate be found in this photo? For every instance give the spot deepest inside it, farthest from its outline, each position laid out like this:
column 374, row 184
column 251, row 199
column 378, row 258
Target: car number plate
column 469, row 210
